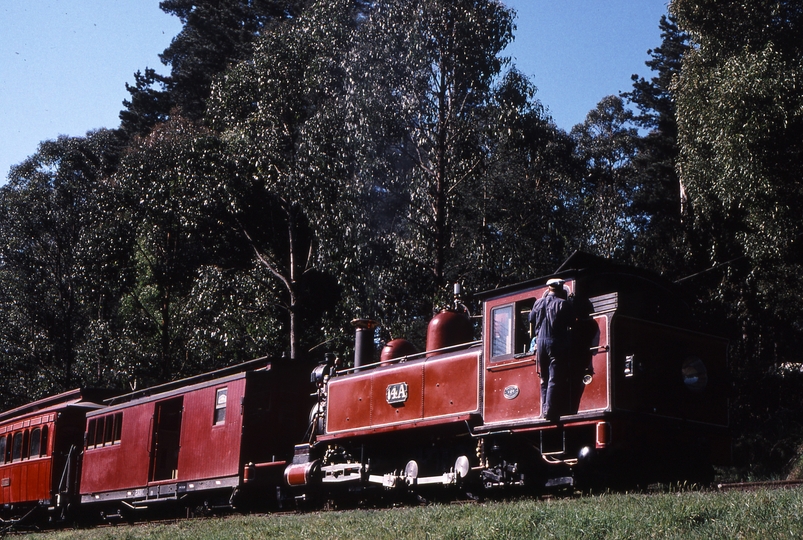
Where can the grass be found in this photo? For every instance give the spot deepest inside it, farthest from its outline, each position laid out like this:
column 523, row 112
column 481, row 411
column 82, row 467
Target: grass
column 765, row 513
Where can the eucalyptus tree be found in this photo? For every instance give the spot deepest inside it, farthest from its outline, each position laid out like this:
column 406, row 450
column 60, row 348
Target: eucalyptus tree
column 525, row 217
column 58, row 261
column 607, row 142
column 428, row 73
column 740, row 115
column 658, row 203
column 284, row 118
column 171, row 188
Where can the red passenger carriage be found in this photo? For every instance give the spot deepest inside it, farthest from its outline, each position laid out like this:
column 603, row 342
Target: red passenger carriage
column 217, row 440
column 647, row 397
column 40, row 444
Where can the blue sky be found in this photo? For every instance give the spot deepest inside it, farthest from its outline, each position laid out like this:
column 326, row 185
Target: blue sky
column 64, row 63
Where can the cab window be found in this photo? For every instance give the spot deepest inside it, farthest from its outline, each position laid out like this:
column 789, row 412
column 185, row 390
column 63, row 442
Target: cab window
column 510, row 334
column 502, row 331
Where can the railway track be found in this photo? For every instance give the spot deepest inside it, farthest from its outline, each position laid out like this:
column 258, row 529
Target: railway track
column 767, row 484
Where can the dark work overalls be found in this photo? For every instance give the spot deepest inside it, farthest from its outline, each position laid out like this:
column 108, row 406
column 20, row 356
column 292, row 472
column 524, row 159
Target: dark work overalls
column 551, row 317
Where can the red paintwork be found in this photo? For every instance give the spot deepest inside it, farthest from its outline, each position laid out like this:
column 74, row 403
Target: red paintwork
column 396, row 348
column 443, row 386
column 596, row 396
column 509, row 372
column 265, row 415
column 126, row 465
column 31, row 480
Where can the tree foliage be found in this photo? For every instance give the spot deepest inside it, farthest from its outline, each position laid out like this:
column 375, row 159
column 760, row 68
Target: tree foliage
column 286, row 125
column 216, row 34
column 740, row 115
column 658, row 201
column 606, row 145
column 59, row 264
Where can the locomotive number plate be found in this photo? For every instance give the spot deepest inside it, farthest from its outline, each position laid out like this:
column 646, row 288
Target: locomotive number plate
column 396, row 393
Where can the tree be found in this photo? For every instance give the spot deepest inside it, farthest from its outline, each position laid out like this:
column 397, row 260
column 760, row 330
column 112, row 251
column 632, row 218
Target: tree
column 740, row 115
column 606, row 144
column 172, row 186
column 150, row 103
column 283, row 117
column 58, row 263
column 429, row 69
column 657, row 207
column 524, row 218
column 216, row 34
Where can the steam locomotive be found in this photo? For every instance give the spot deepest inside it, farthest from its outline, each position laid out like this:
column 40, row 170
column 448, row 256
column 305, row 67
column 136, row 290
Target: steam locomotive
column 646, row 400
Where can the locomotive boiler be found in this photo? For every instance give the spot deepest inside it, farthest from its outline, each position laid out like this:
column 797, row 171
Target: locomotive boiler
column 646, row 398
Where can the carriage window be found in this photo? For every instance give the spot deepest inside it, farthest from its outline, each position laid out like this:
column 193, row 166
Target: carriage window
column 44, row 441
column 108, row 434
column 2, row 449
column 220, row 405
column 36, row 442
column 25, row 443
column 90, row 433
column 502, row 331
column 99, row 431
column 104, row 431
column 7, row 454
column 16, row 446
column 118, row 427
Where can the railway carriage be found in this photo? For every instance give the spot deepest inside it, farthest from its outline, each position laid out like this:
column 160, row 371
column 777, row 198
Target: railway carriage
column 219, row 440
column 40, row 445
column 646, row 398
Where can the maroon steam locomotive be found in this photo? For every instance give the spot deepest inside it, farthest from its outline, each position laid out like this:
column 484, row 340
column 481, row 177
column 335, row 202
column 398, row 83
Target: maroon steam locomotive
column 646, row 400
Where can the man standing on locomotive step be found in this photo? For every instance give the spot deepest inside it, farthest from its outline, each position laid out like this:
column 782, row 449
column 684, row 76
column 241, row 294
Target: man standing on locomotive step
column 550, row 320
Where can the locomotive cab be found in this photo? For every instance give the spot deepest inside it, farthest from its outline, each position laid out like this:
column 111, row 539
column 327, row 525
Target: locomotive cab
column 646, row 396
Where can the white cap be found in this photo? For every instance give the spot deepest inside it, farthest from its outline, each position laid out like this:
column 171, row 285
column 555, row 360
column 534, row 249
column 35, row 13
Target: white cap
column 555, row 283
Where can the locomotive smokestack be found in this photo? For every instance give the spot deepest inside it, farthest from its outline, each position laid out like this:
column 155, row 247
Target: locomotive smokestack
column 363, row 342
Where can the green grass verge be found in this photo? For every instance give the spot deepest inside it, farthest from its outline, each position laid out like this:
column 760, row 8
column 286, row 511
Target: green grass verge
column 776, row 513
